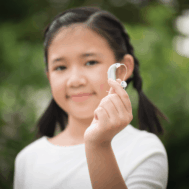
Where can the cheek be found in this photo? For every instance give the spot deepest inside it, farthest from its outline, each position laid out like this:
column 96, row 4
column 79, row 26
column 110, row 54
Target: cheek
column 57, row 90
column 101, row 87
column 104, row 87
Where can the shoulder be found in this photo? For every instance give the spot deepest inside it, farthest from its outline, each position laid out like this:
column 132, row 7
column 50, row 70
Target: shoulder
column 139, row 144
column 30, row 150
column 147, row 160
column 143, row 139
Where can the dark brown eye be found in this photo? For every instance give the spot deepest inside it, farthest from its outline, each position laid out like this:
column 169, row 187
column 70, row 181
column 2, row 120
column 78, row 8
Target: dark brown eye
column 93, row 63
column 60, row 67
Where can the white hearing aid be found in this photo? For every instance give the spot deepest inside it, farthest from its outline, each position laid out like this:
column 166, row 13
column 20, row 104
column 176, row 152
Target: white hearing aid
column 112, row 73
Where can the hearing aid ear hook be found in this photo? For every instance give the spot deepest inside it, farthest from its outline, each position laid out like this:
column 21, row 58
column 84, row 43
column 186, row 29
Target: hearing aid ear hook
column 112, row 73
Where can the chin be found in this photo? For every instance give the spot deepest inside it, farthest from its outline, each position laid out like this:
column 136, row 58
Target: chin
column 83, row 115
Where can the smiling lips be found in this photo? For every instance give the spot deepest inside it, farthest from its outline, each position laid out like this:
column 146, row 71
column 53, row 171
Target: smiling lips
column 83, row 94
column 81, row 97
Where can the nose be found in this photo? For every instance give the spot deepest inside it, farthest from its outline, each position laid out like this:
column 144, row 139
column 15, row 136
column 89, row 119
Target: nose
column 76, row 78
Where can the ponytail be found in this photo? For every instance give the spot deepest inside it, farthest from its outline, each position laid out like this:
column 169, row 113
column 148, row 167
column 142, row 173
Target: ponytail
column 147, row 111
column 48, row 122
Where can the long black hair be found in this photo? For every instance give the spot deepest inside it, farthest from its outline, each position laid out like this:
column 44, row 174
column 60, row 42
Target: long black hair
column 109, row 27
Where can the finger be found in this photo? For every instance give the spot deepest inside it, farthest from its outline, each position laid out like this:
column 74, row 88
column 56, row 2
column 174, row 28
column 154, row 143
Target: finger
column 121, row 93
column 129, row 102
column 111, row 110
column 102, row 114
column 112, row 91
column 107, row 104
column 119, row 81
column 119, row 106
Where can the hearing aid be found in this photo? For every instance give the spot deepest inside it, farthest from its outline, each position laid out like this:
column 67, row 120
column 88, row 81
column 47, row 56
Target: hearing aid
column 112, row 73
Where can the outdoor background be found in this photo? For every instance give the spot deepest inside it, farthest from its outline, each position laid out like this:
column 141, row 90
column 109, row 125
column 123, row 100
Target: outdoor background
column 159, row 31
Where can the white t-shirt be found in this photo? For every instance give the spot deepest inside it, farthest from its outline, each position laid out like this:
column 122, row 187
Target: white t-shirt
column 141, row 157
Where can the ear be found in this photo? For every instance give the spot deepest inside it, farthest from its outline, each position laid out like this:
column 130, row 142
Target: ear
column 128, row 60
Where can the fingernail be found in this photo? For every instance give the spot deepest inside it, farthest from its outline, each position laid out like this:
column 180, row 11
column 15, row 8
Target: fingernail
column 111, row 80
column 119, row 80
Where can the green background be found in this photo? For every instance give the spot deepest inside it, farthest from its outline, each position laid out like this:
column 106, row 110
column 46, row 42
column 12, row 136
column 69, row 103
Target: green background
column 25, row 91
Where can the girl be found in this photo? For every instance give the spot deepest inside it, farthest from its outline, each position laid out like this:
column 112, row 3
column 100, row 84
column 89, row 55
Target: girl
column 97, row 147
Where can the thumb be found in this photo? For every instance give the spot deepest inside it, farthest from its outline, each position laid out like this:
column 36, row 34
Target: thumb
column 112, row 90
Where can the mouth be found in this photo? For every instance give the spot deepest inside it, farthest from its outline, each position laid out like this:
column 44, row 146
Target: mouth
column 81, row 98
column 81, row 95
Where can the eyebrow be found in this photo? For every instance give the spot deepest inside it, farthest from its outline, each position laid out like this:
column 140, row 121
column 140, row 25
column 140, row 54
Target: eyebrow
column 81, row 56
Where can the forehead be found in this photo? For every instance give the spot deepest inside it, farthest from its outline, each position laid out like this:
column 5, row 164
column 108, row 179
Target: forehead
column 73, row 32
column 77, row 38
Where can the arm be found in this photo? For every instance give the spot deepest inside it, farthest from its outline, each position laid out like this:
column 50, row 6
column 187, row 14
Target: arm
column 103, row 168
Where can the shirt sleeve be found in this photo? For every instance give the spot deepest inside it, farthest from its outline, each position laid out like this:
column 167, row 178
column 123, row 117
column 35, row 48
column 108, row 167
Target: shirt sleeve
column 18, row 179
column 15, row 179
column 149, row 166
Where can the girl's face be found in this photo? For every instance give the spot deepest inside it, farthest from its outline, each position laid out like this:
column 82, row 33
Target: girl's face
column 78, row 61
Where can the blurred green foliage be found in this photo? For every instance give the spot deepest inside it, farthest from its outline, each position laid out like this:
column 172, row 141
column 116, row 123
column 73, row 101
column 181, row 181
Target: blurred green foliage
column 25, row 91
